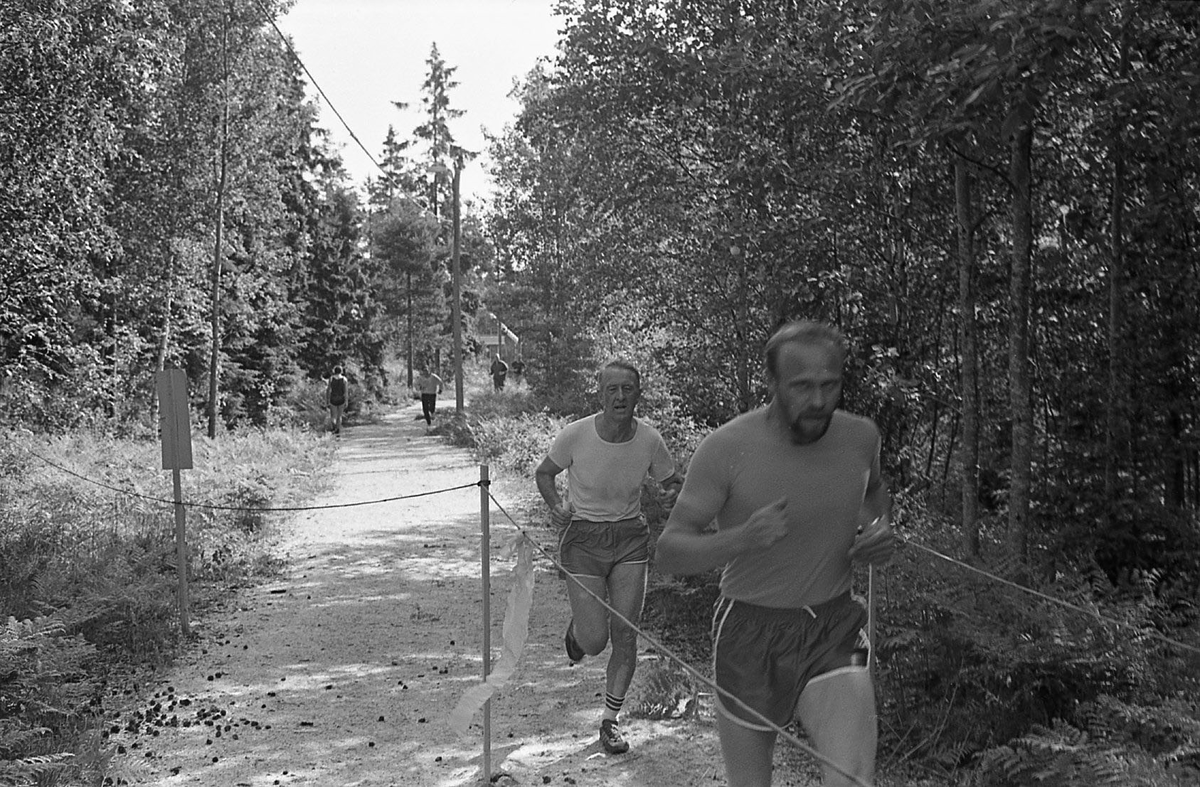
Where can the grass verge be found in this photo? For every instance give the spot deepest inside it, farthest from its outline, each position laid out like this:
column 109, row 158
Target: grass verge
column 88, row 573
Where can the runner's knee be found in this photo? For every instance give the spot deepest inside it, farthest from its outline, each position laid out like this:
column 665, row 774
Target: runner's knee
column 592, row 641
column 623, row 635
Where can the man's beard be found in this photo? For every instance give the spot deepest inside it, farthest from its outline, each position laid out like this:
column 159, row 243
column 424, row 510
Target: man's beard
column 802, row 433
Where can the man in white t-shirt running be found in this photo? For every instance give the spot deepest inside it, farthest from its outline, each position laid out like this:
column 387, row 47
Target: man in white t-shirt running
column 604, row 542
column 429, row 385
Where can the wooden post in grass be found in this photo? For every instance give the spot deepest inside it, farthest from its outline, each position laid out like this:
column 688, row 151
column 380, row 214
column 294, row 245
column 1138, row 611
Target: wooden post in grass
column 176, row 428
column 485, row 551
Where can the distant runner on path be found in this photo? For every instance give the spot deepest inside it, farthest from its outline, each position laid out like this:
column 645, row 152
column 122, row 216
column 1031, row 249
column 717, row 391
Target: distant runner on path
column 499, row 370
column 429, row 385
column 604, row 542
column 336, row 395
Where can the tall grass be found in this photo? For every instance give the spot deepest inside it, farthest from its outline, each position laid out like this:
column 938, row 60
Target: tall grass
column 88, row 571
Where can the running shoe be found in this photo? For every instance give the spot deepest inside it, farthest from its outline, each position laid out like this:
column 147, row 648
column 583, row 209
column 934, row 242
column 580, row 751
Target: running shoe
column 610, row 738
column 574, row 652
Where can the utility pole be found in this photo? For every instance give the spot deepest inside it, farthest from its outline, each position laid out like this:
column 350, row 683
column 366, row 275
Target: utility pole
column 456, row 310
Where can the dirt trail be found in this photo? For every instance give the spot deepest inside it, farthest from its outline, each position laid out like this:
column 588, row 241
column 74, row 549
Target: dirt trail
column 344, row 671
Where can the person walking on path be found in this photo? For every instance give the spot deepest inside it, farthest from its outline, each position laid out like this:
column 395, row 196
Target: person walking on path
column 796, row 494
column 429, row 385
column 604, row 542
column 336, row 395
column 499, row 370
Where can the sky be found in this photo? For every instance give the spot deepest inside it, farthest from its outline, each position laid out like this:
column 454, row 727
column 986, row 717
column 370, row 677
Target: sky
column 365, row 54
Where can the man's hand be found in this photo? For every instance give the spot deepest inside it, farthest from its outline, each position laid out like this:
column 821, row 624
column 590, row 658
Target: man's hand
column 876, row 543
column 670, row 493
column 765, row 526
column 560, row 515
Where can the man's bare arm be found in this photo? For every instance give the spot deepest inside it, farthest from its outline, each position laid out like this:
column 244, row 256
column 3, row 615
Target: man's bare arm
column 687, row 547
column 877, row 541
column 545, row 474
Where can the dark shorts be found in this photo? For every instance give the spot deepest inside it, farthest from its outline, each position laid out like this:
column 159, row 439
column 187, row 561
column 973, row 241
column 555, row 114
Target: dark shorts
column 591, row 549
column 765, row 656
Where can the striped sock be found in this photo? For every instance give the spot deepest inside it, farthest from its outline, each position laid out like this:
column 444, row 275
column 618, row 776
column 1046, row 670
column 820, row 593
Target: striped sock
column 612, row 706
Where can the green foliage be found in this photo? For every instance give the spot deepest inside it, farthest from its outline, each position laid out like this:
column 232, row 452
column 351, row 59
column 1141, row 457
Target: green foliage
column 31, row 770
column 679, row 612
column 681, row 178
column 1012, row 689
column 1065, row 755
column 1168, row 732
column 516, row 444
column 1060, row 755
column 62, row 78
column 112, row 160
column 45, row 694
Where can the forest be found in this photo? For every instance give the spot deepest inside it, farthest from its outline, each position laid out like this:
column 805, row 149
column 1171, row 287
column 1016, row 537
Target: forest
column 997, row 201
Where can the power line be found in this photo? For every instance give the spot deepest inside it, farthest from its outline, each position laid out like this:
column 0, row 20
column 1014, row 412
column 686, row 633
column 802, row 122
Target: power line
column 291, row 50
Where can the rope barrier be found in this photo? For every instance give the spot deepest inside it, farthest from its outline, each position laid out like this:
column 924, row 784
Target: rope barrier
column 254, row 509
column 1045, row 597
column 903, row 541
column 664, row 650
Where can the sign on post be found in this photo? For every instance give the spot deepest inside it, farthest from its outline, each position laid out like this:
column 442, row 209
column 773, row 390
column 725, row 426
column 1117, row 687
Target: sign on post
column 176, row 427
column 174, row 421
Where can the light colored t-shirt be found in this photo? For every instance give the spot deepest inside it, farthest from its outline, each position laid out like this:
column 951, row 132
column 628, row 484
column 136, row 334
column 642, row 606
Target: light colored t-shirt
column 428, row 384
column 749, row 463
column 604, row 480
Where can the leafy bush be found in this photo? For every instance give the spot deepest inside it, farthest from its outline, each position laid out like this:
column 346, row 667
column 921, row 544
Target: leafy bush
column 515, row 444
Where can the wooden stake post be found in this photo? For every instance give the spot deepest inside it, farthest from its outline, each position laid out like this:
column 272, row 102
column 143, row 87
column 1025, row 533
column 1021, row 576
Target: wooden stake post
column 485, row 550
column 176, row 428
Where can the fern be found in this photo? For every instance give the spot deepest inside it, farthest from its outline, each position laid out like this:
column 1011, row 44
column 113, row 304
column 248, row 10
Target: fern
column 14, row 737
column 665, row 692
column 1168, row 732
column 28, row 770
column 1060, row 755
column 42, row 691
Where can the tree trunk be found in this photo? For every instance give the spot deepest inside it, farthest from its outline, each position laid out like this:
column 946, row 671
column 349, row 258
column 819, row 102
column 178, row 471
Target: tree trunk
column 411, row 358
column 218, row 242
column 1114, row 405
column 1020, row 398
column 164, row 339
column 968, row 332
